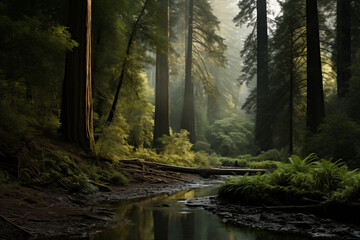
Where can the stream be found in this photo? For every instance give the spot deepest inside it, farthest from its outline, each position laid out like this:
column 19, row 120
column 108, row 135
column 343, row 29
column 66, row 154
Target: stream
column 168, row 217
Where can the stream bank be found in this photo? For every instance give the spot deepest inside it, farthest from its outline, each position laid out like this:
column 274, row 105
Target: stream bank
column 263, row 218
column 30, row 213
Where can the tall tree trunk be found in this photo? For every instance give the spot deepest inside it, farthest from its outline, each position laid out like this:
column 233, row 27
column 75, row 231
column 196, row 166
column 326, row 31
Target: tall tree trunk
column 124, row 65
column 77, row 109
column 315, row 96
column 343, row 46
column 291, row 88
column 188, row 114
column 162, row 78
column 263, row 134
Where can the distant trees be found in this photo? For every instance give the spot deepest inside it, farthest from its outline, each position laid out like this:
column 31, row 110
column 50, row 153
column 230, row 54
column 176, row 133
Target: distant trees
column 76, row 108
column 204, row 47
column 287, row 74
column 263, row 132
column 125, row 61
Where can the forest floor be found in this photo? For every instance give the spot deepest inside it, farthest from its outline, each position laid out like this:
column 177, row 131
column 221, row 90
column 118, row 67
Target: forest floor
column 38, row 212
column 28, row 212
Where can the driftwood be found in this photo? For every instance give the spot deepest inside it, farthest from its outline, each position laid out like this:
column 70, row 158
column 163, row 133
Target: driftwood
column 204, row 172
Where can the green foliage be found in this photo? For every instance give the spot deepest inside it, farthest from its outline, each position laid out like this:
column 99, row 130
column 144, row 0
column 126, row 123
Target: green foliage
column 201, row 159
column 118, row 179
column 244, row 161
column 267, row 164
column 31, row 73
column 112, row 143
column 214, row 160
column 300, row 181
column 231, row 136
column 202, row 146
column 339, row 138
column 176, row 149
column 79, row 184
column 55, row 169
column 274, row 155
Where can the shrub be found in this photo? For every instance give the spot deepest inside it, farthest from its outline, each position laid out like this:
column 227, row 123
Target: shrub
column 231, row 136
column 202, row 146
column 339, row 138
column 300, row 181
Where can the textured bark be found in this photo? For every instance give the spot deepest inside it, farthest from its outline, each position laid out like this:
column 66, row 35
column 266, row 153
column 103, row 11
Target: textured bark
column 188, row 113
column 263, row 134
column 77, row 109
column 343, row 46
column 315, row 96
column 162, row 78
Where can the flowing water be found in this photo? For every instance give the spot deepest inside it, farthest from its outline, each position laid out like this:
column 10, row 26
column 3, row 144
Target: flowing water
column 168, row 217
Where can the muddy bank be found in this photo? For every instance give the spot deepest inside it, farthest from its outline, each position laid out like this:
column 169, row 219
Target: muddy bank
column 29, row 213
column 275, row 220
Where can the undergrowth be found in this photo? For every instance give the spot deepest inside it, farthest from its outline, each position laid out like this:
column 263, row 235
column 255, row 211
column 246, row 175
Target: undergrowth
column 300, row 181
column 32, row 164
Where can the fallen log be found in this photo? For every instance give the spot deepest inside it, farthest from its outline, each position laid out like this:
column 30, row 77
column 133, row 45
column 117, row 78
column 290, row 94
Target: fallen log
column 204, row 172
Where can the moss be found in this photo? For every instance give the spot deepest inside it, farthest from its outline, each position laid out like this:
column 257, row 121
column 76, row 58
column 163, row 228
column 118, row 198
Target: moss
column 118, row 179
column 101, row 187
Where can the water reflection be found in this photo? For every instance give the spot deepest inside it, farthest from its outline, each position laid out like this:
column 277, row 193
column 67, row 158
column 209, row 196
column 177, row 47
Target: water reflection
column 165, row 217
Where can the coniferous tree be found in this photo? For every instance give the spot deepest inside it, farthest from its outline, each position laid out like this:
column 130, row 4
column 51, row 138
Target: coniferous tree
column 188, row 113
column 162, row 76
column 206, row 50
column 343, row 46
column 262, row 127
column 287, row 75
column 125, row 61
column 77, row 109
column 263, row 132
column 315, row 96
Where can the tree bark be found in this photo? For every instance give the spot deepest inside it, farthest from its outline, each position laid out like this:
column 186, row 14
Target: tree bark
column 77, row 108
column 315, row 96
column 343, row 46
column 188, row 114
column 263, row 134
column 162, row 78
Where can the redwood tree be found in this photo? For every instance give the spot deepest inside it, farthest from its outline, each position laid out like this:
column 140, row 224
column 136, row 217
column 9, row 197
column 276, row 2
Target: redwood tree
column 188, row 113
column 77, row 109
column 263, row 134
column 162, row 76
column 315, row 96
column 343, row 46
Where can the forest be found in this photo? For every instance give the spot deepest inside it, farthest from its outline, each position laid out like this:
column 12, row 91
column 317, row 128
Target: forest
column 101, row 97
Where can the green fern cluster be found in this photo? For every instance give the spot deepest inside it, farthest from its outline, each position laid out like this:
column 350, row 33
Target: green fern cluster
column 300, row 181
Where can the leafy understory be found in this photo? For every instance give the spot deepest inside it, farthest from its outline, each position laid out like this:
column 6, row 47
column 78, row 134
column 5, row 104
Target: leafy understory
column 300, row 181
